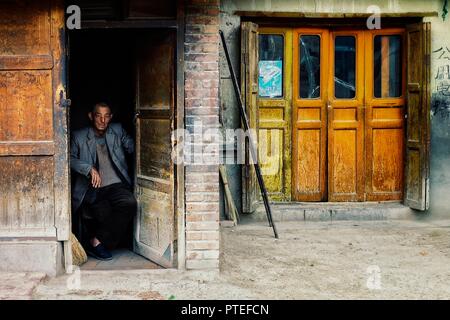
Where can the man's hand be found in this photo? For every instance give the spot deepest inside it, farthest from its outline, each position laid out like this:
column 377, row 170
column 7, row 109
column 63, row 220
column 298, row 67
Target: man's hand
column 95, row 178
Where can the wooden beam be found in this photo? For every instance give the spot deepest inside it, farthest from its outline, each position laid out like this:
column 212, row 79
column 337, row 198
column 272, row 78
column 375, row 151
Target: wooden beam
column 284, row 14
column 129, row 24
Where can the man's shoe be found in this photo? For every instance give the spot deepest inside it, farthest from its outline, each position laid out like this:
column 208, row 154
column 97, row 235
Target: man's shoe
column 99, row 252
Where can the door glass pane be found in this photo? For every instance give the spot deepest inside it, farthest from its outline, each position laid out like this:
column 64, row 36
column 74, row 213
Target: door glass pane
column 309, row 50
column 270, row 65
column 387, row 73
column 344, row 67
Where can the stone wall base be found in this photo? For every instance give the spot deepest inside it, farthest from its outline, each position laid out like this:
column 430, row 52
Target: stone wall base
column 32, row 256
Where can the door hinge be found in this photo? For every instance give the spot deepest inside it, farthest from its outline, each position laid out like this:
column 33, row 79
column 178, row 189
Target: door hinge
column 64, row 103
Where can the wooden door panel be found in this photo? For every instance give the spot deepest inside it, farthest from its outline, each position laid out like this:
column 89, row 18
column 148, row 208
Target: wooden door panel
column 27, row 201
column 249, row 91
column 344, row 158
column 274, row 132
column 309, row 165
column 25, row 28
column 34, row 178
column 155, row 232
column 345, row 117
column 18, row 91
column 384, row 121
column 309, row 124
column 417, row 168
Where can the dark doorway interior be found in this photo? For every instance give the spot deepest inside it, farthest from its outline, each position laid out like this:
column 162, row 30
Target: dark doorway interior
column 102, row 68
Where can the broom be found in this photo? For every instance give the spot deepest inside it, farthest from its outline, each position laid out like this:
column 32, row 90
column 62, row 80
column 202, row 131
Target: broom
column 78, row 254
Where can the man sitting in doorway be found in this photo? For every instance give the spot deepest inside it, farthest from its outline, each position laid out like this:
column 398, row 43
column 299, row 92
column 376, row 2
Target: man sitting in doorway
column 102, row 186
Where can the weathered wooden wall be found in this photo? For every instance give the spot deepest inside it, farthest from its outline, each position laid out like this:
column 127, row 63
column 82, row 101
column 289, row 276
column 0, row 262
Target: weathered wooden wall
column 33, row 130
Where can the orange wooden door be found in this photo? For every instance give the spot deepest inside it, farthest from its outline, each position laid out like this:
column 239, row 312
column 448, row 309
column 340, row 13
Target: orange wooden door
column 346, row 116
column 309, row 129
column 384, row 121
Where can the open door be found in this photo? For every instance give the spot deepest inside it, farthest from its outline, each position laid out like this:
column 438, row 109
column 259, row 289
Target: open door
column 249, row 91
column 34, row 172
column 154, row 233
column 418, row 116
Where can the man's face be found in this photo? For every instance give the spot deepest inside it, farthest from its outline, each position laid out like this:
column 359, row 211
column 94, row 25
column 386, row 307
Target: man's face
column 101, row 118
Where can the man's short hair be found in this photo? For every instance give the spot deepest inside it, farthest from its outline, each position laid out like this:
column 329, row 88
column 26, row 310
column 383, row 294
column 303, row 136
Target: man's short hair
column 100, row 105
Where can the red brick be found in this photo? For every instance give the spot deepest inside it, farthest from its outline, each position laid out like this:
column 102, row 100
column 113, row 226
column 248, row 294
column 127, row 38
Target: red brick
column 202, row 226
column 201, row 57
column 206, row 10
column 203, row 206
column 202, row 235
column 210, row 83
column 201, row 111
column 202, row 264
column 194, row 93
column 206, row 20
column 201, row 66
column 202, row 245
column 202, row 38
column 202, row 254
column 202, row 168
column 193, row 84
column 202, row 217
column 203, row 29
column 202, row 187
column 203, row 2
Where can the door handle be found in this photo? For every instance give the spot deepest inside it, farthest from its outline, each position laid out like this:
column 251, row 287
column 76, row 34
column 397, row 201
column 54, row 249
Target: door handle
column 136, row 116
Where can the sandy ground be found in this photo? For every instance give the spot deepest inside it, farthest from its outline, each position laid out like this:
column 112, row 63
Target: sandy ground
column 311, row 260
column 341, row 260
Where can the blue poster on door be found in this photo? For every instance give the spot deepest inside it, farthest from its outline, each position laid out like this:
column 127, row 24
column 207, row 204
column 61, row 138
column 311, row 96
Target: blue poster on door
column 270, row 78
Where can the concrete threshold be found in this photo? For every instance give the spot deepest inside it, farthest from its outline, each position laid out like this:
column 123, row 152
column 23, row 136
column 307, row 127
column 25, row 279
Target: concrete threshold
column 333, row 211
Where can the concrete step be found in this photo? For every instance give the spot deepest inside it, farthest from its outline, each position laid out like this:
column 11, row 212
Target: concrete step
column 329, row 211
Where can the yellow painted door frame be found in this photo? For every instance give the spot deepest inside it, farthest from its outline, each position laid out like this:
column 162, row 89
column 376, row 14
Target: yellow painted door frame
column 274, row 132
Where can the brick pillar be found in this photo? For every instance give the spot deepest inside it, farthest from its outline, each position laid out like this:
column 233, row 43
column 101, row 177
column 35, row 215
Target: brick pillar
column 202, row 106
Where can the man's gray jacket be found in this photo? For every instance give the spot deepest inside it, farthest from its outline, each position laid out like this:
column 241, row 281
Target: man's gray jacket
column 83, row 156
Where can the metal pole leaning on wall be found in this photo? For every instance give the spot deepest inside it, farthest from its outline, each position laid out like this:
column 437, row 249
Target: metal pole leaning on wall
column 252, row 148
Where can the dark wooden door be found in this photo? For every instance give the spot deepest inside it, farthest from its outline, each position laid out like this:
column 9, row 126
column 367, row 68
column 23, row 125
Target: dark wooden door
column 155, row 232
column 417, row 169
column 249, row 91
column 34, row 174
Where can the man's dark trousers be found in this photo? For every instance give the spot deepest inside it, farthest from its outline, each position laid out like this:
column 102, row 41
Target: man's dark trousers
column 108, row 213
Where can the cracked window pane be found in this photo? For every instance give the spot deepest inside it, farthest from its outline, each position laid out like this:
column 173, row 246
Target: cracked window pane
column 309, row 51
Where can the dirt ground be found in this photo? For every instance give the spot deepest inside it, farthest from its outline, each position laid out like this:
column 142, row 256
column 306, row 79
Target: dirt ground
column 341, row 260
column 311, row 260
